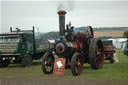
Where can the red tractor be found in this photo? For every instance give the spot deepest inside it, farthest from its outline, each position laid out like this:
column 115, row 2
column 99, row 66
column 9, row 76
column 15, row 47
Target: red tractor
column 77, row 47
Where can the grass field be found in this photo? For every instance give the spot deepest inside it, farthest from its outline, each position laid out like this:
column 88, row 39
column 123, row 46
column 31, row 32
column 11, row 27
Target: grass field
column 110, row 74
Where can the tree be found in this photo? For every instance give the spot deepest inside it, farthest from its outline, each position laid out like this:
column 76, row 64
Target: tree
column 125, row 34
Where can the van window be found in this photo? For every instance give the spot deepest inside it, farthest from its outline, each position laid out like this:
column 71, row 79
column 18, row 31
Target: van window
column 9, row 38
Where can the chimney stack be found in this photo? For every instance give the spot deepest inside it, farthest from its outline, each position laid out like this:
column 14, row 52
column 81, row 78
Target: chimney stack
column 61, row 22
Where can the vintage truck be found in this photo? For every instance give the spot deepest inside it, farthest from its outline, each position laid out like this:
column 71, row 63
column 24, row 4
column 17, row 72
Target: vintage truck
column 108, row 50
column 21, row 46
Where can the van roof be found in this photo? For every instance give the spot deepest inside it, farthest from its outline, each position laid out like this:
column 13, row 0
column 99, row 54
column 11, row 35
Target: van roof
column 15, row 33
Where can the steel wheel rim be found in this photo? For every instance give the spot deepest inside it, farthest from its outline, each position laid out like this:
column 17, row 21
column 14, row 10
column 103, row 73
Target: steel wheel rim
column 99, row 54
column 48, row 63
column 78, row 65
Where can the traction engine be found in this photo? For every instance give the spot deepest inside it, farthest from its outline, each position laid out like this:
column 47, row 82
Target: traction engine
column 78, row 46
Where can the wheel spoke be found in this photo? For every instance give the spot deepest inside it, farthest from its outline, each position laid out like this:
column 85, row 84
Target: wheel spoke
column 99, row 54
column 76, row 64
column 47, row 63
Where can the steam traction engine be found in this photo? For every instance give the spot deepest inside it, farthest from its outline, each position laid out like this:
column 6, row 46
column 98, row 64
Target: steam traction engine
column 77, row 47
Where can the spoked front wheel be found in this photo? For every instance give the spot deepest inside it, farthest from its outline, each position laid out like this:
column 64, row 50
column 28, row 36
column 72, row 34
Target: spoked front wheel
column 77, row 64
column 47, row 63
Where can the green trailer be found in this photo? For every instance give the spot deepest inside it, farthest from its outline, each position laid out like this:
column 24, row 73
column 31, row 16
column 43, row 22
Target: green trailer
column 21, row 46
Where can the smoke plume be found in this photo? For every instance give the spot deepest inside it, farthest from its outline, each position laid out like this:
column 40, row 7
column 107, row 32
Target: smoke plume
column 67, row 5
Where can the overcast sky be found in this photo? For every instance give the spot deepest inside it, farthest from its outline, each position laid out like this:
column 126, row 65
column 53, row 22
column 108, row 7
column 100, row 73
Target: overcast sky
column 43, row 14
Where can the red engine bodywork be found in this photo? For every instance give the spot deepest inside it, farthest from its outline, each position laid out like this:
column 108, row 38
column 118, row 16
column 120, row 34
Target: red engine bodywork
column 78, row 43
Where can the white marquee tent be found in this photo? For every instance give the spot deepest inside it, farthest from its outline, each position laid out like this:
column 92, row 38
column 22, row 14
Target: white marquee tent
column 119, row 43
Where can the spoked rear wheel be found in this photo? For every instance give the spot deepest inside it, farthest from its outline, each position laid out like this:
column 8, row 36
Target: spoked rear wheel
column 96, row 54
column 47, row 63
column 77, row 64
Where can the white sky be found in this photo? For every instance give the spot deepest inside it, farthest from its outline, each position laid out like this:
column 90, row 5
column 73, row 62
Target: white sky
column 42, row 14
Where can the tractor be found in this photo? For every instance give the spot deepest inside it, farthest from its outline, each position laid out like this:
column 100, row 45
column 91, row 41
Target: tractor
column 77, row 46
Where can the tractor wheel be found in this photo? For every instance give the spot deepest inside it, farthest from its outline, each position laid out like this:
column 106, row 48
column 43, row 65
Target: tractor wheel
column 47, row 63
column 96, row 54
column 26, row 60
column 77, row 64
column 4, row 63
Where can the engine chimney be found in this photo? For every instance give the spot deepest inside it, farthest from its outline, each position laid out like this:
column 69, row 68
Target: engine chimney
column 61, row 22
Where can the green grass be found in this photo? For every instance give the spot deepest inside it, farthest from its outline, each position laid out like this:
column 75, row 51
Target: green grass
column 108, row 72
